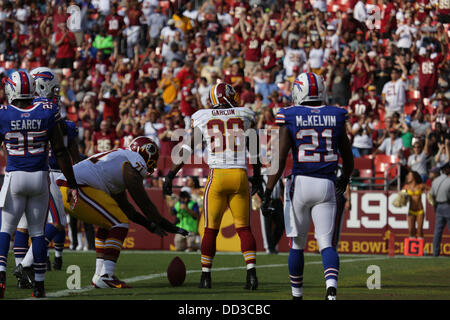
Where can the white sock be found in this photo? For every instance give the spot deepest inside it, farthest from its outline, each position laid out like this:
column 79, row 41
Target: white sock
column 57, row 253
column 28, row 259
column 297, row 292
column 99, row 266
column 39, row 276
column 18, row 261
column 251, row 265
column 331, row 283
column 80, row 239
column 108, row 267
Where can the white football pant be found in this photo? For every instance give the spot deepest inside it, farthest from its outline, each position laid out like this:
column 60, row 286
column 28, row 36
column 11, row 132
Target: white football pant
column 25, row 192
column 309, row 199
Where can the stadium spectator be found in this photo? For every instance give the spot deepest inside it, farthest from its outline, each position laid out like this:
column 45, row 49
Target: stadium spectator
column 66, row 44
column 392, row 145
column 394, row 93
column 419, row 126
column 104, row 139
column 187, row 215
column 362, row 136
column 440, row 191
column 417, row 161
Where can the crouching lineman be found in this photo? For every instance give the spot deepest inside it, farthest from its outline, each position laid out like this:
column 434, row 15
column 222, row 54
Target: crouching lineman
column 103, row 180
column 315, row 133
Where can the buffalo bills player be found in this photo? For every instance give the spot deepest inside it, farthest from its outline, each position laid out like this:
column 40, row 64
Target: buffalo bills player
column 26, row 127
column 316, row 135
column 47, row 90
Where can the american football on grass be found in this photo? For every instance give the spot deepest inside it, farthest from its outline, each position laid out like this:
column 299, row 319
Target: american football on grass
column 176, row 272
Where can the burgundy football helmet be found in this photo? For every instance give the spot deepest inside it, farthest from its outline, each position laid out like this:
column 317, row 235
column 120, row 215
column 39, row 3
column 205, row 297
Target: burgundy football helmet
column 222, row 95
column 148, row 149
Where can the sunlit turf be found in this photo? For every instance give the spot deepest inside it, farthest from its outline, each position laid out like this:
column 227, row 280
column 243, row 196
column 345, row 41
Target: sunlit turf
column 401, row 278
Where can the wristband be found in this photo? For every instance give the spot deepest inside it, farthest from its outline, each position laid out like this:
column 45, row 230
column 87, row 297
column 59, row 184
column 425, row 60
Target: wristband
column 268, row 194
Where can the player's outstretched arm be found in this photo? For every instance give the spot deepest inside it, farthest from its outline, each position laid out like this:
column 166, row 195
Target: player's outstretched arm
column 64, row 161
column 257, row 180
column 135, row 187
column 135, row 216
column 285, row 146
column 188, row 150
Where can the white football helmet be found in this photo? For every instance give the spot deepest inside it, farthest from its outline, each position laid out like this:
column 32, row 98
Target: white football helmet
column 46, row 82
column 308, row 87
column 19, row 85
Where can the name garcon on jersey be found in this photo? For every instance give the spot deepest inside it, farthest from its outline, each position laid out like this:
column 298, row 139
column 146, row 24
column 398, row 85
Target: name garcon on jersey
column 26, row 133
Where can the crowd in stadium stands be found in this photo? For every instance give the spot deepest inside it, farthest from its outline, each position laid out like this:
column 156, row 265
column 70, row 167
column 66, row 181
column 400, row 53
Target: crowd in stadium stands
column 130, row 68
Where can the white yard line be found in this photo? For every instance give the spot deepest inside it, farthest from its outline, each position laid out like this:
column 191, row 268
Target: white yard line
column 67, row 292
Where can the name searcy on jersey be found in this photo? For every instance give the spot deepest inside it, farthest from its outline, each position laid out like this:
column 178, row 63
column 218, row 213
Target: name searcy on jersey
column 316, row 120
column 30, row 124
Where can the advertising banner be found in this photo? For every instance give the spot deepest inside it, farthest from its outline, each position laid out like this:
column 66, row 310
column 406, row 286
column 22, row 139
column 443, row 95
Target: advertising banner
column 367, row 228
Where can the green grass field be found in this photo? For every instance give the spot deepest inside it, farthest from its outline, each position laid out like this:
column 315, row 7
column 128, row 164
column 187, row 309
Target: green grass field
column 401, row 278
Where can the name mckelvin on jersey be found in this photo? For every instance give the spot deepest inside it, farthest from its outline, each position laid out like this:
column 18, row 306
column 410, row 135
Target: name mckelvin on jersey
column 223, row 112
column 316, row 120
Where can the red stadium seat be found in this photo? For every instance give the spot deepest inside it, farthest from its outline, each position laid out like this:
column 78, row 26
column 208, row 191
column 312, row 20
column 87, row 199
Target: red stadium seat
column 382, row 162
column 414, row 95
column 363, row 163
column 366, row 173
column 409, row 108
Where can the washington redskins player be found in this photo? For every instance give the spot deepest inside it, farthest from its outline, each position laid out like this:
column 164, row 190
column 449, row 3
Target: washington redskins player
column 223, row 128
column 104, row 179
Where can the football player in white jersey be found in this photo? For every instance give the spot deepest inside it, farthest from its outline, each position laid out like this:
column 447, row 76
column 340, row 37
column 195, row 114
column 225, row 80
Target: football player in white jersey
column 104, row 179
column 224, row 127
column 315, row 133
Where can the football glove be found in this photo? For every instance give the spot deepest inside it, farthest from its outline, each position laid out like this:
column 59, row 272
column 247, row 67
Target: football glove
column 257, row 185
column 171, row 228
column 341, row 184
column 167, row 186
column 266, row 207
column 156, row 229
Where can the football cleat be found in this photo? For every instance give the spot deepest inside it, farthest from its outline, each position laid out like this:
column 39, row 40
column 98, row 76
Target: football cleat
column 252, row 280
column 297, row 298
column 2, row 284
column 107, row 281
column 57, row 263
column 95, row 278
column 25, row 276
column 38, row 290
column 331, row 294
column 205, row 280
